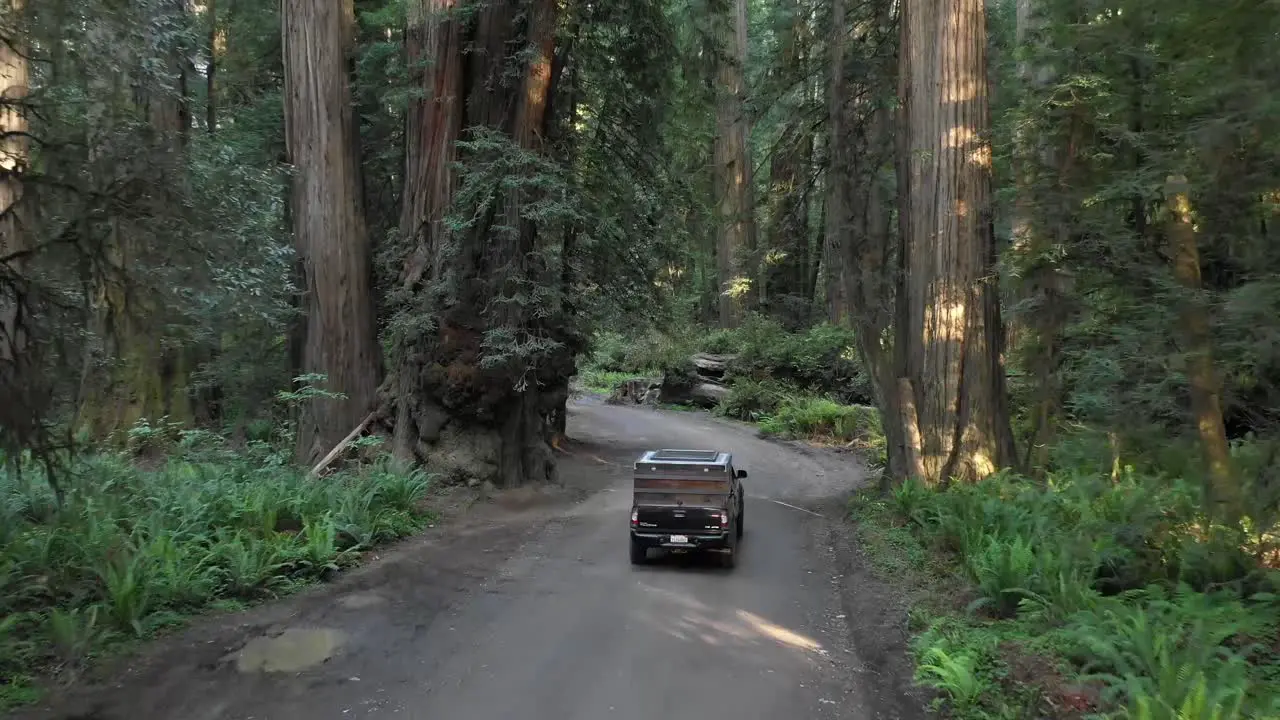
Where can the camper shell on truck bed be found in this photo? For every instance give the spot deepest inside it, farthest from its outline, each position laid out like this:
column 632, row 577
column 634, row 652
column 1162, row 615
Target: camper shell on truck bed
column 686, row 500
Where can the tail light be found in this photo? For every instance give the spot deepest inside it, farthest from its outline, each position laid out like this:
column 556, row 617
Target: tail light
column 724, row 518
column 635, row 518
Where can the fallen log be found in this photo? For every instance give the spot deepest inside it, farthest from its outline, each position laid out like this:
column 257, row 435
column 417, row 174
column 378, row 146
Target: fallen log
column 337, row 449
column 715, row 365
column 709, row 394
column 704, row 394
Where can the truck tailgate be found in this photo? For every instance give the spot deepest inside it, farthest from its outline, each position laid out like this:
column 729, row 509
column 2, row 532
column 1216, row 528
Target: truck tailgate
column 681, row 519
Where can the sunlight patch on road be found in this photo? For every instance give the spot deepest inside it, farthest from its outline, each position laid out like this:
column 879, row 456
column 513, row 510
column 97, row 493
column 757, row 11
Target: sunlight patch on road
column 719, row 627
column 779, row 633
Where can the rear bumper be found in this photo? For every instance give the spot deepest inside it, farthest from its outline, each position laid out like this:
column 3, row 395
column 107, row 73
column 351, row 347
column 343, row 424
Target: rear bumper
column 700, row 541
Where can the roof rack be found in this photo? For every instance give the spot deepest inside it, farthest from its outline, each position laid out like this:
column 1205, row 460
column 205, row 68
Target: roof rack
column 652, row 459
column 705, row 456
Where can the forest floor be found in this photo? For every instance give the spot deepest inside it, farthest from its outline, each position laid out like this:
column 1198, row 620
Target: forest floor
column 527, row 607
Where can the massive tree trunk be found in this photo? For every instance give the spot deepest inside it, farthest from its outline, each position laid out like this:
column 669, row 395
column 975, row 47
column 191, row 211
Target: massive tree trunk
column 949, row 332
column 786, row 262
column 1223, row 488
column 18, row 390
column 328, row 221
column 1042, row 212
column 468, row 399
column 859, row 239
column 216, row 43
column 839, row 169
column 147, row 376
column 735, row 202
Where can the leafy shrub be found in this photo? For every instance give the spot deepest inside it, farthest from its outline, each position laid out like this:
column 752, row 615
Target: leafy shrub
column 821, row 360
column 1166, row 655
column 826, row 420
column 753, row 400
column 1122, row 578
column 1003, row 570
column 822, row 418
column 652, row 352
column 129, row 549
column 604, row 380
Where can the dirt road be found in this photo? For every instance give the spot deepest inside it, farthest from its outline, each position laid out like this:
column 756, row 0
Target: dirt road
column 535, row 613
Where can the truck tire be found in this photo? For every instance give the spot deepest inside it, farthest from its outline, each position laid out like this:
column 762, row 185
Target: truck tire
column 729, row 558
column 742, row 520
column 639, row 553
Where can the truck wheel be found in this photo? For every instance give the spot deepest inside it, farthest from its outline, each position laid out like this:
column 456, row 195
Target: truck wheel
column 729, row 558
column 742, row 510
column 639, row 553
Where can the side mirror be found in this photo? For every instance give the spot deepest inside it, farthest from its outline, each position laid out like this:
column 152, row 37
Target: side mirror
column 740, row 474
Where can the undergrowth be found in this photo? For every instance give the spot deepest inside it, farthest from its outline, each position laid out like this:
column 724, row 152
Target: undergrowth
column 130, row 550
column 604, row 381
column 797, row 385
column 1085, row 596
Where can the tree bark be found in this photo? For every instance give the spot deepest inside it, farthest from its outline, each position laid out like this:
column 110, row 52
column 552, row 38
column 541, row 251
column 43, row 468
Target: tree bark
column 734, row 195
column 859, row 240
column 17, row 387
column 1223, row 487
column 146, row 378
column 786, row 262
column 328, row 221
column 458, row 405
column 14, row 157
column 1040, row 220
column 949, row 331
column 211, row 72
column 835, row 211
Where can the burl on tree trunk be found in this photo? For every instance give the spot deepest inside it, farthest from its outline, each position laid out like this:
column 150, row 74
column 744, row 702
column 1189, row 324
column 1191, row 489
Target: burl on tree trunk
column 465, row 408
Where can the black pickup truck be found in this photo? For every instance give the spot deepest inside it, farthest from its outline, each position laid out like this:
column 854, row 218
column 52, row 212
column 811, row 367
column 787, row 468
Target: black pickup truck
column 687, row 500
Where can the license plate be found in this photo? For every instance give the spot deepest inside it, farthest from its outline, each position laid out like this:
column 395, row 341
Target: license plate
column 679, row 538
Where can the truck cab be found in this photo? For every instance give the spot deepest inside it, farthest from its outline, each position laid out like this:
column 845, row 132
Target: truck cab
column 687, row 500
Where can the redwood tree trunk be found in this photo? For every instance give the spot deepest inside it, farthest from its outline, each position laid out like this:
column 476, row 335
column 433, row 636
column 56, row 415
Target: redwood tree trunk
column 786, row 273
column 836, row 209
column 328, row 221
column 1206, row 402
column 146, row 378
column 949, row 331
column 15, row 385
column 211, row 72
column 1040, row 221
column 734, row 196
column 461, row 405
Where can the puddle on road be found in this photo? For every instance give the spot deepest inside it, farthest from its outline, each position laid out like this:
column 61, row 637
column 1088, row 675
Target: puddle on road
column 293, row 650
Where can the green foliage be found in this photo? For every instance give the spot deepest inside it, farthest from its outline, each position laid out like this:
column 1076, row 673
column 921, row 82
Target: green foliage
column 130, row 549
column 779, row 379
column 1131, row 95
column 822, row 359
column 1124, row 583
column 604, row 381
column 769, row 358
column 756, row 400
column 651, row 352
column 826, row 420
